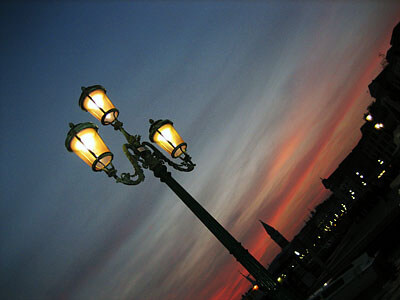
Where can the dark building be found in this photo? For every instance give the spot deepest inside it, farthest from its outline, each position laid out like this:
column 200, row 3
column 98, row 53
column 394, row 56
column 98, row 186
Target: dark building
column 376, row 156
column 365, row 193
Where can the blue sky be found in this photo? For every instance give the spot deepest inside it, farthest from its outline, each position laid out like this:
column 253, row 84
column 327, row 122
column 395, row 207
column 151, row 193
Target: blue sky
column 268, row 96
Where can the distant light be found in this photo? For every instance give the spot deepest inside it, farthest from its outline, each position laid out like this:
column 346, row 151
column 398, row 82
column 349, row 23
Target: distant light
column 383, row 172
column 378, row 126
column 255, row 287
column 319, row 236
column 279, row 279
column 361, row 176
column 369, row 118
column 297, row 253
column 325, row 284
column 364, row 183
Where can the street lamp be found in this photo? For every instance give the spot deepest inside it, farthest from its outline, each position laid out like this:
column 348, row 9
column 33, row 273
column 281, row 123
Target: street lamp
column 84, row 140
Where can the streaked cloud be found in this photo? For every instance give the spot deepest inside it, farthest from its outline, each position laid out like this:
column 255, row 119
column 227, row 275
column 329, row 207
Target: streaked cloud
column 269, row 98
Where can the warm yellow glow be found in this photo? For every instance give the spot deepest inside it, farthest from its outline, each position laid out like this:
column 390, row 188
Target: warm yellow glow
column 369, row 117
column 279, row 279
column 168, row 139
column 255, row 287
column 89, row 147
column 378, row 126
column 98, row 104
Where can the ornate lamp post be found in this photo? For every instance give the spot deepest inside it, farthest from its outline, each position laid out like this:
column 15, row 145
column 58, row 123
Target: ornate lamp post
column 84, row 140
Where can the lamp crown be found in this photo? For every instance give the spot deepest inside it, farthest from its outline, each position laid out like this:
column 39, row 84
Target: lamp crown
column 155, row 125
column 86, row 91
column 74, row 130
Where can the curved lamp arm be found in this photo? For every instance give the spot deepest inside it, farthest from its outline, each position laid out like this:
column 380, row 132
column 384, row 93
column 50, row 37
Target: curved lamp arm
column 186, row 166
column 133, row 159
column 127, row 178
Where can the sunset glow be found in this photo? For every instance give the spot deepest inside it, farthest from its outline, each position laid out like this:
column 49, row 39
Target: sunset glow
column 269, row 98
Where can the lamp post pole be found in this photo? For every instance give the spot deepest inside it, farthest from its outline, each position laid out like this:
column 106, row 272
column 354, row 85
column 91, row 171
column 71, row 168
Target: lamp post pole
column 145, row 155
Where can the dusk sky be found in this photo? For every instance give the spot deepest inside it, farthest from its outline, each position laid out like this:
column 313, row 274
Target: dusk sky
column 268, row 95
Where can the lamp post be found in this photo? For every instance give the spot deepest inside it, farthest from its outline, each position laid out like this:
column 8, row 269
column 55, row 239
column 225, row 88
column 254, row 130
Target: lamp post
column 84, row 140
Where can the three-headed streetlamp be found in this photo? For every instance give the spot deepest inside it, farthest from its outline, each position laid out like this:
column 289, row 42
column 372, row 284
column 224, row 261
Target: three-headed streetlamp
column 84, row 140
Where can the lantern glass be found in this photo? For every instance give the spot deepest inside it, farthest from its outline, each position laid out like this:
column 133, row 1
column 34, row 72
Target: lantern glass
column 85, row 142
column 165, row 135
column 95, row 101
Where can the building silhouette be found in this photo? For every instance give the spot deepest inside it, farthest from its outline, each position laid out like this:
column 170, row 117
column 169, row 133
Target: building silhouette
column 365, row 195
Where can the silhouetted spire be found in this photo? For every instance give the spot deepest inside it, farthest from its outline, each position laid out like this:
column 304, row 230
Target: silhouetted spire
column 275, row 235
column 252, row 281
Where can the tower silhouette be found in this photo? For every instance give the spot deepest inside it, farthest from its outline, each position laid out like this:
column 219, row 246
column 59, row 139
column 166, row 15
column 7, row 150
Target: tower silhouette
column 275, row 235
column 249, row 279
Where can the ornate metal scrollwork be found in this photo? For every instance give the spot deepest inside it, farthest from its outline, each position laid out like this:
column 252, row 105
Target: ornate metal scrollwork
column 143, row 155
column 185, row 166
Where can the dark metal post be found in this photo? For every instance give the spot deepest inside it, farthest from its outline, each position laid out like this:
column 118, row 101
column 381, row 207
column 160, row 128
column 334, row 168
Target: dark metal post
column 242, row 255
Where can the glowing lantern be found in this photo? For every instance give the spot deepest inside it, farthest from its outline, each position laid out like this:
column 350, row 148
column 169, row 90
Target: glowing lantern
column 84, row 140
column 255, row 287
column 94, row 100
column 369, row 117
column 164, row 134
